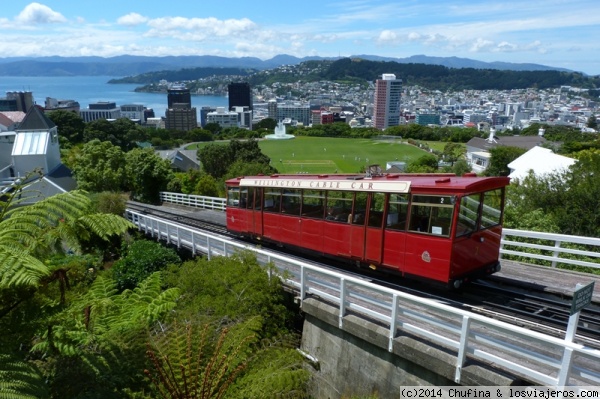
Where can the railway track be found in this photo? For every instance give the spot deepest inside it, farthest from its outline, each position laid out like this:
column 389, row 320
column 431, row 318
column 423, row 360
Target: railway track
column 537, row 311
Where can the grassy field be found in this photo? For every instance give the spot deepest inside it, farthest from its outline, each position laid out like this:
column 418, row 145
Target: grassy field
column 331, row 155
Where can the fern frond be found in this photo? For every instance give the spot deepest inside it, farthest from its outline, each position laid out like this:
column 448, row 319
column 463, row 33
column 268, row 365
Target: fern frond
column 146, row 303
column 18, row 268
column 19, row 379
column 105, row 225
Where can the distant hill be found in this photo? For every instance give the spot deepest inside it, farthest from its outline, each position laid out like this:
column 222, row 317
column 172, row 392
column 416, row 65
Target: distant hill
column 437, row 77
column 360, row 71
column 456, row 62
column 129, row 65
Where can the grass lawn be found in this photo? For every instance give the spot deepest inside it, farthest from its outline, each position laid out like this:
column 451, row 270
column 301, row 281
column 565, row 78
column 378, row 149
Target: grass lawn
column 331, row 155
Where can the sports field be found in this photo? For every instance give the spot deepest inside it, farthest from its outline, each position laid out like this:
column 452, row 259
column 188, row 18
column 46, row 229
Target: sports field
column 331, row 155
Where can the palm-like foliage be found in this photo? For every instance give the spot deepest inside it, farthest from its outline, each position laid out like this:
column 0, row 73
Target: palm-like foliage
column 102, row 311
column 29, row 233
column 188, row 365
column 20, row 380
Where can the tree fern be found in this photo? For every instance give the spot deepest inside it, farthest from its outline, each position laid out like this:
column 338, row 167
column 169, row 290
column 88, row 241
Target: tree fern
column 17, row 267
column 188, row 364
column 34, row 231
column 145, row 303
column 20, row 380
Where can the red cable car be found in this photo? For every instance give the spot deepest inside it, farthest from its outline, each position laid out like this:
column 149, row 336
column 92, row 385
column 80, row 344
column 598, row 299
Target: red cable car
column 436, row 227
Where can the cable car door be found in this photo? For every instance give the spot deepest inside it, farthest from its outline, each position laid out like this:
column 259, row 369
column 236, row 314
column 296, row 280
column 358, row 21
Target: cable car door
column 373, row 248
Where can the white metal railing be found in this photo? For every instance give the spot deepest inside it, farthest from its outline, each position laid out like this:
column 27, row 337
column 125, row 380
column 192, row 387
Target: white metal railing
column 197, row 201
column 536, row 357
column 549, row 247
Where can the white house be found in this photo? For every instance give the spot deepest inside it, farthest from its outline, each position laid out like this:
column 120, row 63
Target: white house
column 34, row 146
column 541, row 161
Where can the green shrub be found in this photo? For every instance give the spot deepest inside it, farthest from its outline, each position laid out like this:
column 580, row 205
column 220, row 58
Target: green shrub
column 141, row 259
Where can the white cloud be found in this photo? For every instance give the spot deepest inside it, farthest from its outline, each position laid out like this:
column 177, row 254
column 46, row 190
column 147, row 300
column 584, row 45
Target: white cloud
column 132, row 19
column 36, row 13
column 481, row 45
column 387, row 36
column 413, row 36
column 203, row 27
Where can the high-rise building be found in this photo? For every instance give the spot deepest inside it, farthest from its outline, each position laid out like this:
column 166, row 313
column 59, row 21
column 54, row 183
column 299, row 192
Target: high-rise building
column 179, row 95
column 388, row 91
column 240, row 95
column 181, row 118
column 272, row 109
column 296, row 112
column 180, row 115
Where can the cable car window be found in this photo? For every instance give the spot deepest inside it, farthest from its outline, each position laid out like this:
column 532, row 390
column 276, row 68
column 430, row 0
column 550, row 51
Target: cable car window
column 233, row 196
column 397, row 212
column 360, row 209
column 244, row 197
column 313, row 202
column 290, row 202
column 492, row 208
column 272, row 199
column 468, row 215
column 376, row 210
column 431, row 214
column 339, row 206
column 249, row 193
column 258, row 202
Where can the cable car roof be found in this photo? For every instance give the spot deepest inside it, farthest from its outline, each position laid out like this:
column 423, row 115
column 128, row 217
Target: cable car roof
column 392, row 183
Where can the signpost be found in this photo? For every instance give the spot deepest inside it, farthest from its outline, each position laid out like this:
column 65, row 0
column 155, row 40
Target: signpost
column 581, row 298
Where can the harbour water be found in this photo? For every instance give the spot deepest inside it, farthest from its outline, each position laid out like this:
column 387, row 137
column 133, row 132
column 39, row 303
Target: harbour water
column 91, row 89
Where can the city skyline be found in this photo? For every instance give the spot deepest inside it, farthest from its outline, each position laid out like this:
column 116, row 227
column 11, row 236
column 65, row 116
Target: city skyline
column 555, row 33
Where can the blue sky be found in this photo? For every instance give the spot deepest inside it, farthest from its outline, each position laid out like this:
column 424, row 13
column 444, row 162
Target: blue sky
column 559, row 33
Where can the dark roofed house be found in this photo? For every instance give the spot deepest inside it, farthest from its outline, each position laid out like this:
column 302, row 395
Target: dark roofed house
column 181, row 160
column 33, row 146
column 478, row 149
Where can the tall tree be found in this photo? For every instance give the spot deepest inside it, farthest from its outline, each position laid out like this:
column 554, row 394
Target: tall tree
column 215, row 159
column 70, row 126
column 501, row 157
column 147, row 174
column 428, row 163
column 100, row 166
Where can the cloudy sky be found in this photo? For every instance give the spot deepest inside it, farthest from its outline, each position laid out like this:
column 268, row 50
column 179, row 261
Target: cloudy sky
column 559, row 33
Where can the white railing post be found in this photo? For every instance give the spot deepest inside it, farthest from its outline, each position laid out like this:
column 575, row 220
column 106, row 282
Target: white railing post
column 342, row 301
column 393, row 322
column 302, row 284
column 462, row 349
column 565, row 369
column 193, row 244
column 556, row 253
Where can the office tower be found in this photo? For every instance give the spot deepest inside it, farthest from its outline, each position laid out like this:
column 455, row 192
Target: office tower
column 240, row 95
column 388, row 91
column 180, row 115
column 179, row 95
